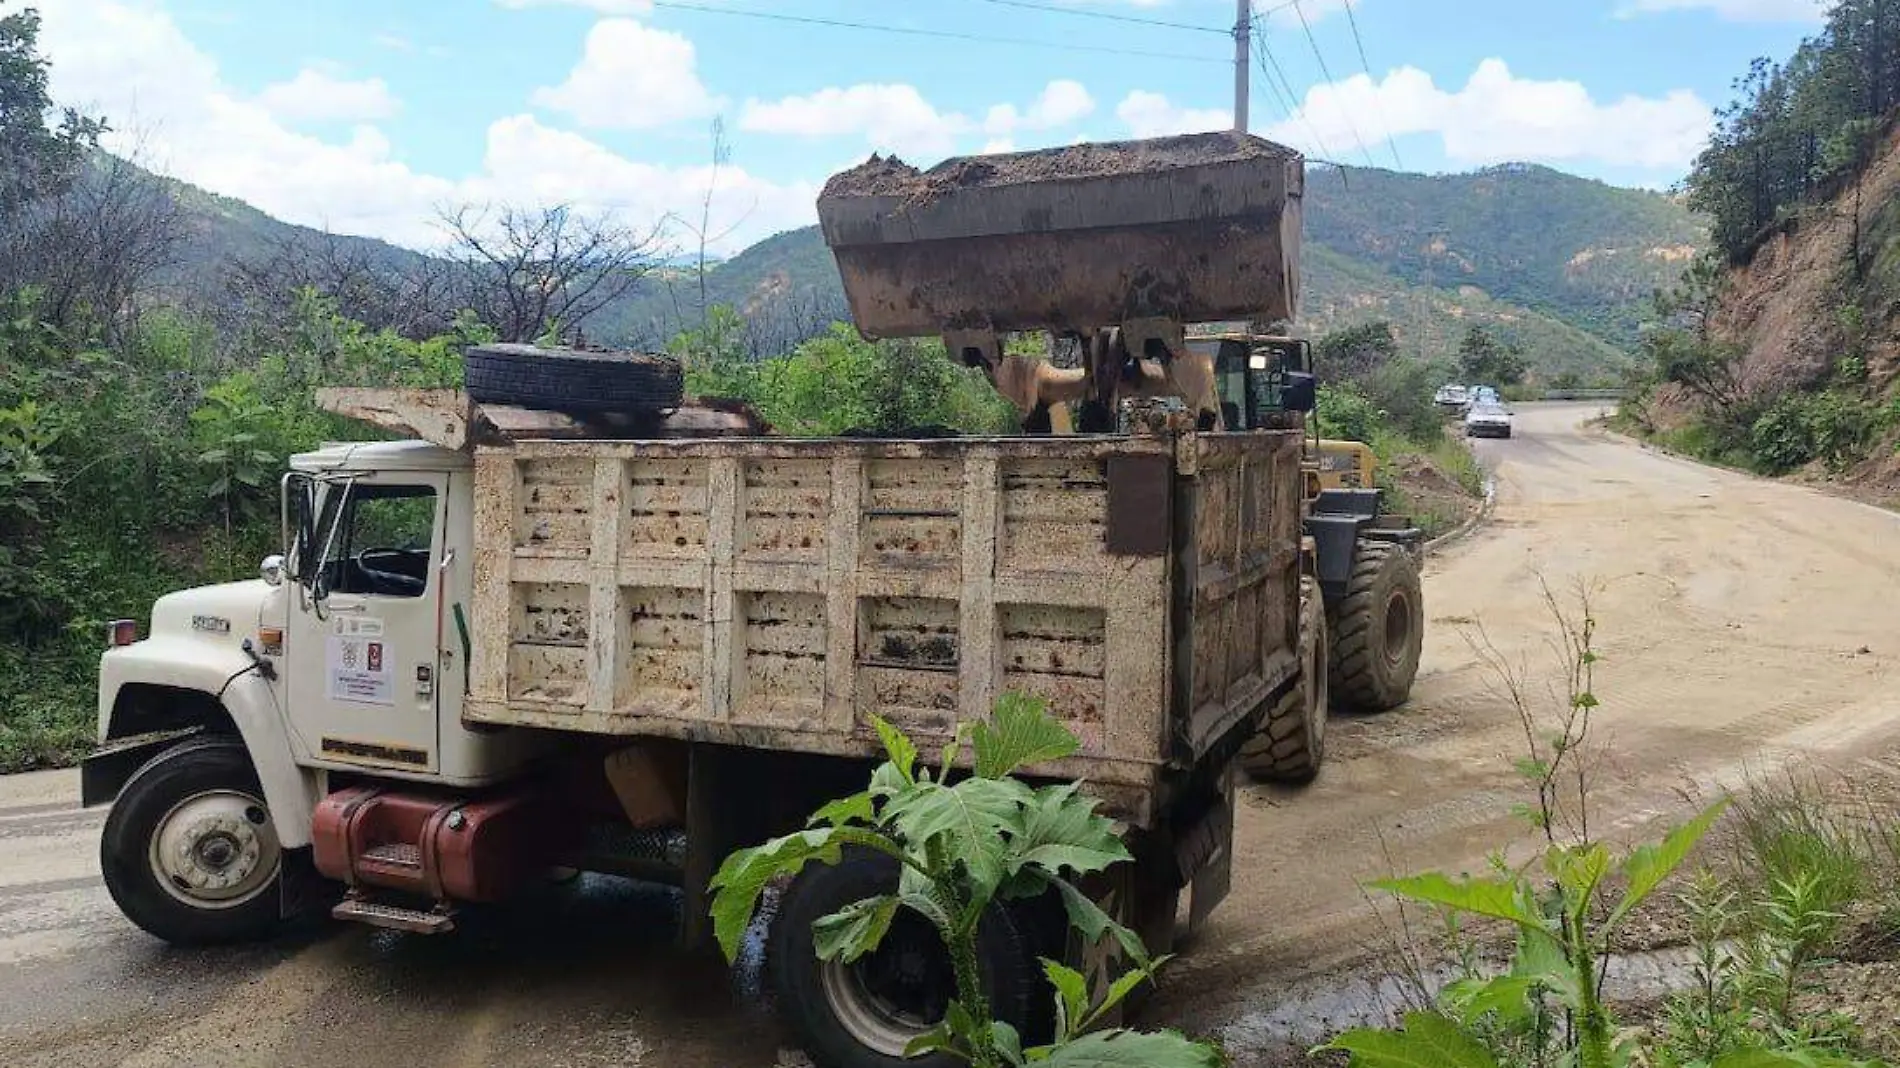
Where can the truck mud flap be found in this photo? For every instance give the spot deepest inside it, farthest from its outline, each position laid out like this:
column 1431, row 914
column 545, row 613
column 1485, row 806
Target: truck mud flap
column 1204, row 855
column 103, row 773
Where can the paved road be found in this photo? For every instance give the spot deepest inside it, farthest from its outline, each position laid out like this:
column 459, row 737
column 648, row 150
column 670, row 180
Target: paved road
column 1739, row 620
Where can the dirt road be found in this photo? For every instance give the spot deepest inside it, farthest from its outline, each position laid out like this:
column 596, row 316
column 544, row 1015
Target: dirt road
column 1739, row 621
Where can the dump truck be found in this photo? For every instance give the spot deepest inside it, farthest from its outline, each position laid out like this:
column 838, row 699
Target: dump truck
column 546, row 629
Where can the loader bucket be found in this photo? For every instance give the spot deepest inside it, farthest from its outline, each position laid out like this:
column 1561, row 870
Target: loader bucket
column 1193, row 229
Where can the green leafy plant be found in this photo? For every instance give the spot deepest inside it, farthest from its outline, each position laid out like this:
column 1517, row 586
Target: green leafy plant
column 1560, row 944
column 964, row 846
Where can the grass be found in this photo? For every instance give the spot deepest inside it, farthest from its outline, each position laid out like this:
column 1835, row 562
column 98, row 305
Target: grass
column 49, row 720
column 1455, row 458
column 1790, row 832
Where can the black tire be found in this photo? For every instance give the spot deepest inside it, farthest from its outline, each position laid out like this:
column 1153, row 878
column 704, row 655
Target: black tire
column 808, row 991
column 1378, row 630
column 569, row 380
column 1291, row 742
column 204, row 792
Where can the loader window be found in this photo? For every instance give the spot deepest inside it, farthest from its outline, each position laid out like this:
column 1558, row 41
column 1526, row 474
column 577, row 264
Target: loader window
column 382, row 547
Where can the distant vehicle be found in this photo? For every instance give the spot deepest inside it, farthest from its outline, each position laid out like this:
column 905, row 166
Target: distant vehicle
column 1488, row 421
column 1453, row 397
column 1483, row 395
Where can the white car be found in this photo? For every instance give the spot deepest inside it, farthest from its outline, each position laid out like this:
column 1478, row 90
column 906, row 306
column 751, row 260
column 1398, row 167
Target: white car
column 1488, row 421
column 1453, row 397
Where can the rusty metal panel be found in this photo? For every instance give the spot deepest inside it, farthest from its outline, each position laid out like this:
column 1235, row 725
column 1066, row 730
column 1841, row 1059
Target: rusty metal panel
column 1140, row 498
column 1237, row 548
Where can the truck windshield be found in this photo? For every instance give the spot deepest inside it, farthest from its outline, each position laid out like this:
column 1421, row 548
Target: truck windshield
column 382, row 545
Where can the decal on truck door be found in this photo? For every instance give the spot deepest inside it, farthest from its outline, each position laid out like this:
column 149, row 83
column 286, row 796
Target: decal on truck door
column 359, row 671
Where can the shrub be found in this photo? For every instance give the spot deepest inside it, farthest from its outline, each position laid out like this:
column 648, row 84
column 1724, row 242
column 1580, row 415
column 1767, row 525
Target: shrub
column 1800, row 428
column 1345, row 413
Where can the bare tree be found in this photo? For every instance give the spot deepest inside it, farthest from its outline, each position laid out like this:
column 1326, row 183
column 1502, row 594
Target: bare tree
column 94, row 249
column 382, row 287
column 527, row 272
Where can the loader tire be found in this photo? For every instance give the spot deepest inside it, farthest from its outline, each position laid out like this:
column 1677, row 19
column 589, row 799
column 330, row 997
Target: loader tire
column 1292, row 739
column 570, row 380
column 1378, row 630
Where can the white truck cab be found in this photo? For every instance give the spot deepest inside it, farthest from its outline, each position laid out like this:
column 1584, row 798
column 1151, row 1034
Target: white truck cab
column 347, row 656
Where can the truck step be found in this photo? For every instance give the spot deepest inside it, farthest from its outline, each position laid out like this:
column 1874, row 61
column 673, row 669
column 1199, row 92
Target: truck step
column 395, row 854
column 394, row 917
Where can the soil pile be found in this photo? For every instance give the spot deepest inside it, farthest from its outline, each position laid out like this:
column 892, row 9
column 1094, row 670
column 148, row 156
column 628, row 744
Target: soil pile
column 892, row 177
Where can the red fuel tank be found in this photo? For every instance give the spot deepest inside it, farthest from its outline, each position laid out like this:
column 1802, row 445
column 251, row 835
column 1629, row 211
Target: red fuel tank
column 443, row 847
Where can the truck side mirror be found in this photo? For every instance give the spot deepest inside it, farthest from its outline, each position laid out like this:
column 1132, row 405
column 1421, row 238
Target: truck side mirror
column 1299, row 393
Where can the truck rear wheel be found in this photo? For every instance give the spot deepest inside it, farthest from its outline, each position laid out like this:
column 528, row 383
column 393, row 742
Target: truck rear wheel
column 862, row 1014
column 1378, row 629
column 189, row 852
column 571, row 380
column 1292, row 741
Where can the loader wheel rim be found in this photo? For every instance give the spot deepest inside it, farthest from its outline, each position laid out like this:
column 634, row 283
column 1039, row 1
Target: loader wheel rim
column 1398, row 627
column 890, row 996
column 215, row 850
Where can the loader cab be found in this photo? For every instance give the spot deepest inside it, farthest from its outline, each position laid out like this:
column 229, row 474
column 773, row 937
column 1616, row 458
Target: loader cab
column 1260, row 378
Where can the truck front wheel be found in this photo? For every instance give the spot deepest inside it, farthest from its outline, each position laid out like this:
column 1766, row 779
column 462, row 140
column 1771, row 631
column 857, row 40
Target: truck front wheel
column 863, row 1014
column 189, row 852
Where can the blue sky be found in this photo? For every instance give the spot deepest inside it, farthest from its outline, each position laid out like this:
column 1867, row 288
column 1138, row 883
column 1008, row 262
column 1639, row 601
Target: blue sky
column 370, row 116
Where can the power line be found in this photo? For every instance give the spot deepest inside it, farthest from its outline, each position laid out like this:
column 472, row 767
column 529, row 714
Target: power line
column 1290, row 99
column 1030, row 5
column 1366, row 65
column 1328, row 75
column 951, row 35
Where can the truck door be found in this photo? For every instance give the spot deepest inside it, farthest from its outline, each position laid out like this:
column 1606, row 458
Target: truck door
column 364, row 636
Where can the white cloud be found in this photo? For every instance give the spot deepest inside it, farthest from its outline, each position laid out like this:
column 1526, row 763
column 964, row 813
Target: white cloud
column 893, row 118
column 130, row 62
column 631, row 77
column 316, row 95
column 528, row 161
column 1498, row 117
column 605, row 7
column 897, row 118
column 1061, row 103
column 1733, row 10
column 1152, row 115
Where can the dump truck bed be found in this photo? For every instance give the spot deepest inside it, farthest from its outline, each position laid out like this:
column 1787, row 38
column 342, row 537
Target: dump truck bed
column 1188, row 229
column 777, row 594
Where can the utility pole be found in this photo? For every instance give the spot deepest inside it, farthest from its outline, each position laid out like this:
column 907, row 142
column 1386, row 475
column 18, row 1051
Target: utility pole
column 1243, row 51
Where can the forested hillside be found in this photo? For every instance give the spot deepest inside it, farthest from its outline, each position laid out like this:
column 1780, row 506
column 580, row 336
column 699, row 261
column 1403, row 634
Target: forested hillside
column 1575, row 249
column 1780, row 350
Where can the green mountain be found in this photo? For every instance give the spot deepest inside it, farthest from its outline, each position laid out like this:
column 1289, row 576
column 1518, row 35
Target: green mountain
column 1573, row 248
column 1557, row 264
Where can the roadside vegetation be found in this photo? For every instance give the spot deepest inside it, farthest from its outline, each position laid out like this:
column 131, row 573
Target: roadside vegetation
column 1374, row 394
column 1764, row 891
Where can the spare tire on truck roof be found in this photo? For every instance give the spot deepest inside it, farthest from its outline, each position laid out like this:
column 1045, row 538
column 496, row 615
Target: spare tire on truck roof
column 572, row 380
